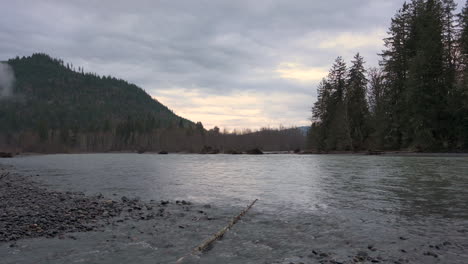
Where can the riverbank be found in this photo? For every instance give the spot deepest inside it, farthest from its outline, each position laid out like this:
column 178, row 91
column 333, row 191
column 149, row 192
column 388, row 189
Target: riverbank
column 365, row 153
column 31, row 212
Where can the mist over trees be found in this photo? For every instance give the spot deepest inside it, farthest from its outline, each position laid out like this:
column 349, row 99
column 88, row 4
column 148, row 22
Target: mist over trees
column 416, row 100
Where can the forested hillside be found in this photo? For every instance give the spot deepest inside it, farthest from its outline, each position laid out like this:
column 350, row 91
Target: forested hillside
column 57, row 108
column 416, row 100
column 53, row 105
column 51, row 95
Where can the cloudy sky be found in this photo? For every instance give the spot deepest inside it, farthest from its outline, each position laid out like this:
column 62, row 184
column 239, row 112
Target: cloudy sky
column 234, row 64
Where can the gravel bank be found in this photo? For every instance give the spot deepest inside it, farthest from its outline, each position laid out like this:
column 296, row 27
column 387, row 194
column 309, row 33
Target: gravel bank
column 28, row 210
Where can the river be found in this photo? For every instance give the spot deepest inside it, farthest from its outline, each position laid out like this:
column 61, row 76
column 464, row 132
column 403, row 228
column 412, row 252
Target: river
column 340, row 205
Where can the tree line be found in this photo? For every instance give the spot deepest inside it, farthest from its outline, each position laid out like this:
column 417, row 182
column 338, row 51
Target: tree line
column 417, row 99
column 191, row 139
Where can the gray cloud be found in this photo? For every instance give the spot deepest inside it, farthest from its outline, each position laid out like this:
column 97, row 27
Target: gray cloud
column 7, row 78
column 212, row 47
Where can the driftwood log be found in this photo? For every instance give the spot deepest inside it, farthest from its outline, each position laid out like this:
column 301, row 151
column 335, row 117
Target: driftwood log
column 4, row 175
column 202, row 247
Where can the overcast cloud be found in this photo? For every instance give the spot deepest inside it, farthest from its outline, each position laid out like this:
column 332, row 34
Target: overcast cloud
column 234, row 64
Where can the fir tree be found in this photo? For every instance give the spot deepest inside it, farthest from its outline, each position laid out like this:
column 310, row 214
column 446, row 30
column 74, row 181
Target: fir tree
column 320, row 116
column 377, row 107
column 460, row 106
column 426, row 92
column 357, row 110
column 395, row 63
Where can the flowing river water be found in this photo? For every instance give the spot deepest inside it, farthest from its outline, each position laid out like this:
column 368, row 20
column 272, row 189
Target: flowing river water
column 311, row 208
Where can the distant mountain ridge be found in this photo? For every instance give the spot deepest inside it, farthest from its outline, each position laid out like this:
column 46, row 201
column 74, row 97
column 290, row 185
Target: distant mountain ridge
column 304, row 129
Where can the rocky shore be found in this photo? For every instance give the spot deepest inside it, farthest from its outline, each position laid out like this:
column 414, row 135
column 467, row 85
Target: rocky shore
column 28, row 210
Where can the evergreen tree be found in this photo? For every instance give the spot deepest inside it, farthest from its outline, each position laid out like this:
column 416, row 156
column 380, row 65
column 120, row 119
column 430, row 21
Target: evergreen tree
column 319, row 110
column 395, row 63
column 460, row 106
column 338, row 137
column 377, row 109
column 426, row 93
column 320, row 116
column 448, row 34
column 332, row 131
column 357, row 110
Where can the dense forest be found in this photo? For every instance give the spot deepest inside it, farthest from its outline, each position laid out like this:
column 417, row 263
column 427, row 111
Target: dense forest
column 55, row 107
column 416, row 100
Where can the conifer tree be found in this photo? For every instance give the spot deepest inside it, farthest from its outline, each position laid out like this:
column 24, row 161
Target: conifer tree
column 461, row 107
column 426, row 92
column 463, row 41
column 377, row 108
column 357, row 110
column 449, row 40
column 338, row 137
column 320, row 116
column 395, row 63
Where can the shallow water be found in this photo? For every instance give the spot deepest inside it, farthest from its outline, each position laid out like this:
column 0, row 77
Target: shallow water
column 339, row 204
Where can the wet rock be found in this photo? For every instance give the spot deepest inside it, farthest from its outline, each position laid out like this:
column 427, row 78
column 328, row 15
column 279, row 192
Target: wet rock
column 209, row 150
column 255, row 151
column 371, row 248
column 323, row 255
column 430, row 253
column 6, row 155
column 232, row 152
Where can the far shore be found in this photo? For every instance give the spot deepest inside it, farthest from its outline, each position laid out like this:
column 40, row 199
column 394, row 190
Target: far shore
column 307, row 152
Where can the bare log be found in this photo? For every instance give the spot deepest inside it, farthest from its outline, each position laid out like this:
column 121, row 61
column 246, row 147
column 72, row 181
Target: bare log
column 4, row 175
column 202, row 247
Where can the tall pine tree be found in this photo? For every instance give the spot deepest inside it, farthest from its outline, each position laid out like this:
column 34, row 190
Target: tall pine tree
column 320, row 117
column 460, row 108
column 395, row 63
column 357, row 110
column 330, row 130
column 426, row 93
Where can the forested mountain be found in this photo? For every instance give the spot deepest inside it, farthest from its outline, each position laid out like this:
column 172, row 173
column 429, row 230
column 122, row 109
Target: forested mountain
column 57, row 108
column 53, row 104
column 51, row 95
column 416, row 100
